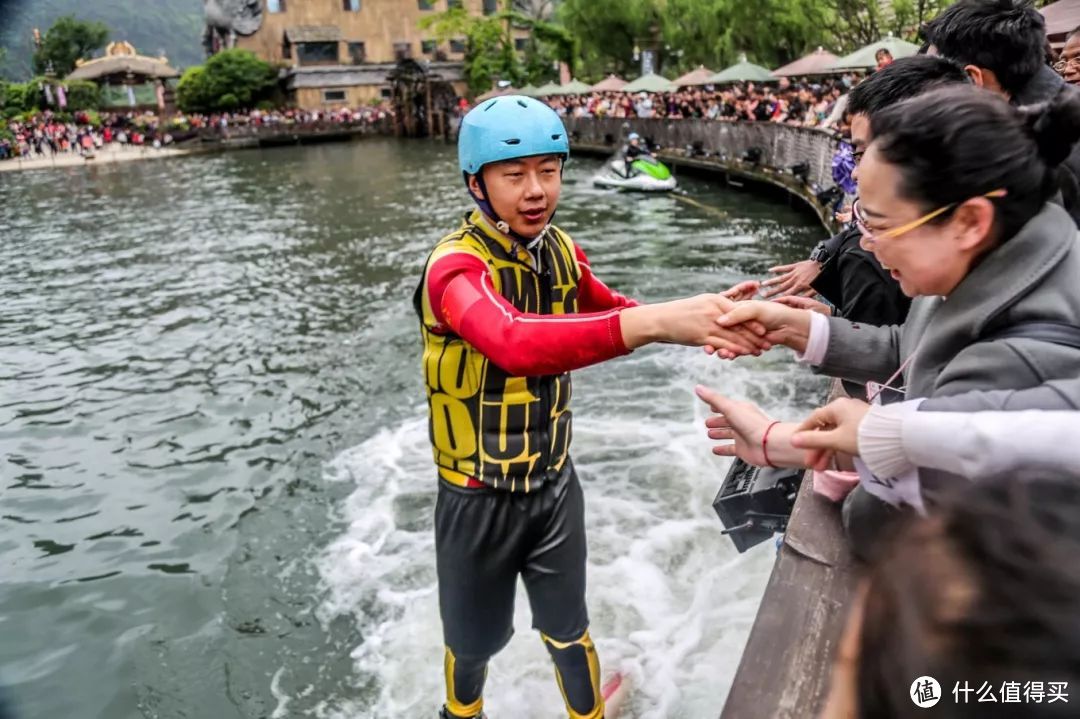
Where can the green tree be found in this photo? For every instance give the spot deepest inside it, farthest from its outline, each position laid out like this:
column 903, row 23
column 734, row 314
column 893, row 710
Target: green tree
column 82, row 95
column 610, row 30
column 536, row 9
column 909, row 15
column 549, row 43
column 12, row 98
column 193, row 90
column 687, row 33
column 229, row 80
column 489, row 46
column 68, row 40
column 490, row 51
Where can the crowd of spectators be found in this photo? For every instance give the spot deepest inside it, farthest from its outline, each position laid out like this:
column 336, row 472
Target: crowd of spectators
column 805, row 103
column 48, row 134
column 288, row 116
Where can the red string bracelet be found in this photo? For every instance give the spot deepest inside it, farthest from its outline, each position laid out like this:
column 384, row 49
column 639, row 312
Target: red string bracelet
column 765, row 444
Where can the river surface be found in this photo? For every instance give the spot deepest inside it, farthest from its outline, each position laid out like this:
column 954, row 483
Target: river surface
column 216, row 491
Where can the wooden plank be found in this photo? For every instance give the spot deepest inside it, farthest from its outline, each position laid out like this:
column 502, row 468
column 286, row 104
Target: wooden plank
column 785, row 667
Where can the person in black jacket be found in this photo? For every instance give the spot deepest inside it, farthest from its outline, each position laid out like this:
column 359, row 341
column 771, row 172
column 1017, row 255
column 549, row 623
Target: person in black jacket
column 1001, row 44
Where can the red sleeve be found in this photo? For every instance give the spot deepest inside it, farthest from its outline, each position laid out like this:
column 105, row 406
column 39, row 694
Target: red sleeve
column 524, row 345
column 594, row 295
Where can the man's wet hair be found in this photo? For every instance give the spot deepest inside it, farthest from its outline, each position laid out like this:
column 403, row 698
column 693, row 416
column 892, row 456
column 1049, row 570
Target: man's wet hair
column 1007, row 37
column 904, row 78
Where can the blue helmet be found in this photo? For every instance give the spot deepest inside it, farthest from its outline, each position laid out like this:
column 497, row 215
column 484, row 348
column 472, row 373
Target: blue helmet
column 508, row 127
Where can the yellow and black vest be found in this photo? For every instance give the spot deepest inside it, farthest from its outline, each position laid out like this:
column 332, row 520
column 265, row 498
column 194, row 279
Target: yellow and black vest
column 510, row 433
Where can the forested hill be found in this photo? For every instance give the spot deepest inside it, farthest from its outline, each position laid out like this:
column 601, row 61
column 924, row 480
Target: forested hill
column 152, row 26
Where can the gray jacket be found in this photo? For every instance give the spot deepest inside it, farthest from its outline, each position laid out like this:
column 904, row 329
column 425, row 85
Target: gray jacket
column 1058, row 395
column 1034, row 276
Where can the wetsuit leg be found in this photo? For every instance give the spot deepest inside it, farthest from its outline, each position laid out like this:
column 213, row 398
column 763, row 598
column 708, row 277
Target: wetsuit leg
column 577, row 669
column 480, row 543
column 554, row 577
column 464, row 686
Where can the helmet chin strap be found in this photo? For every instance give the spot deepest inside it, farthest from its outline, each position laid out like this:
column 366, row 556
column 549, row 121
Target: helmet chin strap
column 502, row 225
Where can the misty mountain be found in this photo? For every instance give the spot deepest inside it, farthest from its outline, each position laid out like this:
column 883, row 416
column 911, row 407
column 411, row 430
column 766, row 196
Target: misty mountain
column 152, row 26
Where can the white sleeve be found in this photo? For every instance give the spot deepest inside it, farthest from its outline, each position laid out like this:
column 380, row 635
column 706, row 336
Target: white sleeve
column 978, row 445
column 881, row 438
column 817, row 343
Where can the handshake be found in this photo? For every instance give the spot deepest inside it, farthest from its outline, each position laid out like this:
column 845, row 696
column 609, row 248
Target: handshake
column 728, row 324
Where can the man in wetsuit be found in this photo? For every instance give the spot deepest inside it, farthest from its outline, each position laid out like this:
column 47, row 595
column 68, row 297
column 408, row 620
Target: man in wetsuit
column 509, row 306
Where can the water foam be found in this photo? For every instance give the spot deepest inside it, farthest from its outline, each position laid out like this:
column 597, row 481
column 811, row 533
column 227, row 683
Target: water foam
column 671, row 602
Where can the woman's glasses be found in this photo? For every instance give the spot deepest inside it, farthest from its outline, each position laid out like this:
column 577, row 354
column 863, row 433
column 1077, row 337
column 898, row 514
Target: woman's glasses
column 872, row 235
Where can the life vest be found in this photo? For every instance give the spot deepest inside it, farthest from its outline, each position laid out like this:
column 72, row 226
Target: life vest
column 509, row 433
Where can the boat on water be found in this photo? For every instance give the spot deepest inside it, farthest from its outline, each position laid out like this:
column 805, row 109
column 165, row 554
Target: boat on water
column 645, row 174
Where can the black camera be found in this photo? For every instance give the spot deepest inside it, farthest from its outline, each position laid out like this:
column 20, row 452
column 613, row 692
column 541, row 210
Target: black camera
column 829, row 196
column 754, row 502
column 753, row 155
column 801, row 170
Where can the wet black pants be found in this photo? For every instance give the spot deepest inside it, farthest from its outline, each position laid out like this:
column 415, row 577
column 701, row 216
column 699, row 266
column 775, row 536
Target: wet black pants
column 485, row 539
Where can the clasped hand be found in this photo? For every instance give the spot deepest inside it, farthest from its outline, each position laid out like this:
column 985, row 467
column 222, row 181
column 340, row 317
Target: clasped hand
column 782, row 324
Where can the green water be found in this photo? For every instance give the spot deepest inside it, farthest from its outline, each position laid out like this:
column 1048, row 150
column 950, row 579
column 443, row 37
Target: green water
column 216, row 495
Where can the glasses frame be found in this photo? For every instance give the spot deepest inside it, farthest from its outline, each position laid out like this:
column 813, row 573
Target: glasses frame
column 1062, row 65
column 870, row 236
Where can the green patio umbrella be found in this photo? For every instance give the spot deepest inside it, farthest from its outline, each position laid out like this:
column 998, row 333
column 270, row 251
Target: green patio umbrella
column 700, row 76
column 611, row 83
column 819, row 62
column 742, row 71
column 651, row 83
column 863, row 58
column 497, row 92
column 552, row 88
column 575, row 87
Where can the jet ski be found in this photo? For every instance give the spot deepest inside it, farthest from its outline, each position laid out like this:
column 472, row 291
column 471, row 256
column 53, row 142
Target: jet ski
column 646, row 174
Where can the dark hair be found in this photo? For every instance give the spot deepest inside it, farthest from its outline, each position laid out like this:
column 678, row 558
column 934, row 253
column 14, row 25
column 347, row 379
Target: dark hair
column 956, row 143
column 1007, row 37
column 987, row 590
column 904, row 78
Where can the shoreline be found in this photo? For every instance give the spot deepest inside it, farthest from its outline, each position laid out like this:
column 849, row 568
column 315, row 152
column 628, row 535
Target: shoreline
column 105, row 156
column 238, row 139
